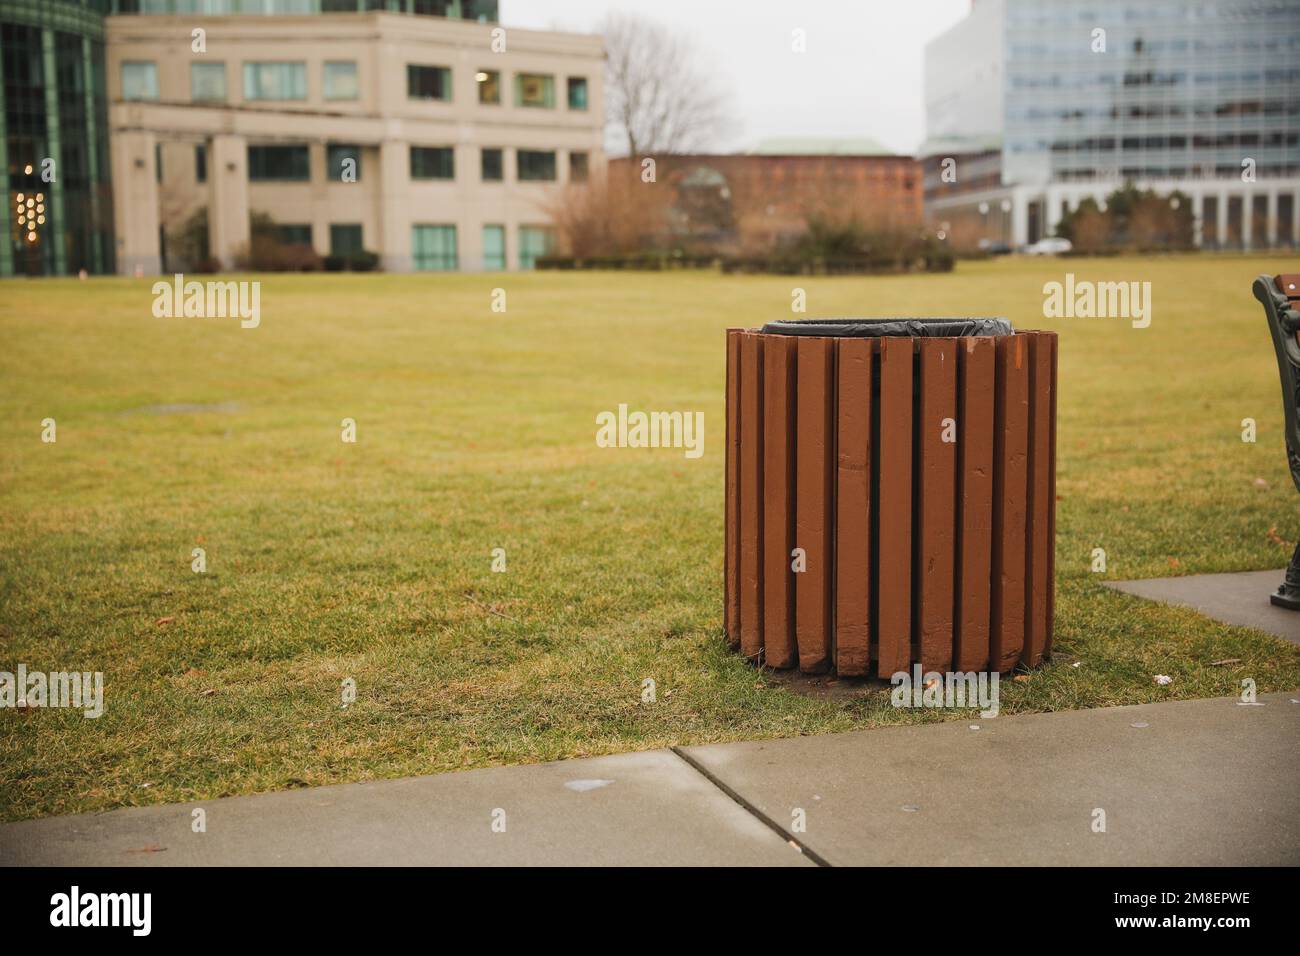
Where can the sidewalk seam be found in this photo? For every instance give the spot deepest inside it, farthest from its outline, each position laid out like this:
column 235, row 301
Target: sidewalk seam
column 751, row 809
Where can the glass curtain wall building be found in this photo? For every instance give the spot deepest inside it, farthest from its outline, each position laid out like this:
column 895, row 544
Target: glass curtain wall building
column 1202, row 97
column 54, row 138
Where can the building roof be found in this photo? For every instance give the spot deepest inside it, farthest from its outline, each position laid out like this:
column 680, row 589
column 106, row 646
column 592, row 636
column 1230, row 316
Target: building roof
column 820, row 146
column 960, row 145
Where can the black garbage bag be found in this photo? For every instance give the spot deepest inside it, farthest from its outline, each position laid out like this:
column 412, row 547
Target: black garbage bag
column 877, row 328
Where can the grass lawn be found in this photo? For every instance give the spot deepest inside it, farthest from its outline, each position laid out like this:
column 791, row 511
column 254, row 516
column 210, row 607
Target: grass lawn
column 372, row 561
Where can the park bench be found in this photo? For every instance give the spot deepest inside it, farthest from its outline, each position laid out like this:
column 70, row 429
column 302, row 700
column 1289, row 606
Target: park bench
column 1281, row 298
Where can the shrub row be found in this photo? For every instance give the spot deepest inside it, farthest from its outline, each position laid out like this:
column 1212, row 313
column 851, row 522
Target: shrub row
column 930, row 261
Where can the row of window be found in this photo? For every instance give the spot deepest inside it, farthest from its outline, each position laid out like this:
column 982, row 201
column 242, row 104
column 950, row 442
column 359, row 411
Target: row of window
column 531, row 165
column 425, row 82
column 484, row 11
column 287, row 80
column 434, row 247
column 343, row 164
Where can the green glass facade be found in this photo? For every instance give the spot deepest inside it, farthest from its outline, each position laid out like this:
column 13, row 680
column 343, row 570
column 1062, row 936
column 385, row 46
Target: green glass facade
column 54, row 138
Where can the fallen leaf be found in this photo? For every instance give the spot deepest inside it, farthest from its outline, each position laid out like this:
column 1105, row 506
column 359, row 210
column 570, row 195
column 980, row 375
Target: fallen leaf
column 1173, row 562
column 195, row 672
column 1261, row 483
column 1226, row 660
column 1021, row 677
column 209, row 692
column 1277, row 538
column 164, row 620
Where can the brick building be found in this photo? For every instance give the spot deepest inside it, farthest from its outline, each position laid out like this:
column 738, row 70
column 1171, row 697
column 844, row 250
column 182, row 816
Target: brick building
column 753, row 202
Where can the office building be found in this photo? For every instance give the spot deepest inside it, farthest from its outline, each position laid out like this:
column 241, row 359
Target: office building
column 423, row 131
column 1038, row 105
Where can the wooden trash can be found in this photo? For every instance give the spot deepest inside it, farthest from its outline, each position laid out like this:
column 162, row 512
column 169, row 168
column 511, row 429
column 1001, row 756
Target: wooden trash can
column 890, row 495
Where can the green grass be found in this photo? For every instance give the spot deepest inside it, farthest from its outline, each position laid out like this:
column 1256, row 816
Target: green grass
column 476, row 430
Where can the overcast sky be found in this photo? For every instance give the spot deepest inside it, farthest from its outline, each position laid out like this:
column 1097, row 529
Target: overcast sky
column 860, row 77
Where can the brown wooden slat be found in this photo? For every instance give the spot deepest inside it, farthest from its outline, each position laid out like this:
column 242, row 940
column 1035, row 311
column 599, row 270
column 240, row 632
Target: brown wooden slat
column 1038, row 542
column 1051, row 504
column 936, row 493
column 1010, row 438
column 894, row 513
column 814, row 478
column 751, row 496
column 731, row 542
column 853, row 508
column 975, row 501
column 780, row 360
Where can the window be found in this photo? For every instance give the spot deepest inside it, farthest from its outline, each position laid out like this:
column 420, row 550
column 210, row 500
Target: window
column 494, row 247
column 535, row 89
column 434, row 248
column 577, row 92
column 345, row 239
column 275, row 81
column 139, row 80
column 337, row 165
column 201, row 163
column 534, row 241
column 489, row 86
column 339, row 81
column 157, row 162
column 535, row 165
column 433, row 162
column 492, row 165
column 294, row 234
column 278, row 163
column 484, row 11
column 428, row 82
column 208, row 82
column 578, row 167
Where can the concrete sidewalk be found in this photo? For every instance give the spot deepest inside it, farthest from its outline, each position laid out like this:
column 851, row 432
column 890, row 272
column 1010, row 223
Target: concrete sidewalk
column 1187, row 783
column 1237, row 598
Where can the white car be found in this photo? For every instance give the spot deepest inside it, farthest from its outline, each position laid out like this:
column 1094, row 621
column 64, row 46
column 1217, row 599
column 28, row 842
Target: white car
column 1049, row 246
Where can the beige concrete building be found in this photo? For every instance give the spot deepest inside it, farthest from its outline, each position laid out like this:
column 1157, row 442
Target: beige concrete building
column 436, row 143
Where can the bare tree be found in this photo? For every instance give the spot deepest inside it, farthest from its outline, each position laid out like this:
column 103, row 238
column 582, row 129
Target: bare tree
column 658, row 97
column 610, row 215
